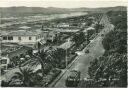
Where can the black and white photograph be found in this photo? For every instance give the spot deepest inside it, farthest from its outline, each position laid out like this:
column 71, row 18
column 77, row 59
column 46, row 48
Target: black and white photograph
column 63, row 43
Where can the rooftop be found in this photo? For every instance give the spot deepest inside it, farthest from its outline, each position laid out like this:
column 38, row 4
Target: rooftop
column 91, row 28
column 22, row 33
column 24, row 27
column 63, row 30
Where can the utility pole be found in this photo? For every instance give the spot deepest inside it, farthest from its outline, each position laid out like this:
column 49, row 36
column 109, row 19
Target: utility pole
column 87, row 38
column 66, row 56
column 0, row 36
column 0, row 45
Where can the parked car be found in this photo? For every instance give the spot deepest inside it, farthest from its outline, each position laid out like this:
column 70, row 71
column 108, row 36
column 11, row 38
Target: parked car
column 73, row 79
column 86, row 51
column 51, row 76
column 102, row 35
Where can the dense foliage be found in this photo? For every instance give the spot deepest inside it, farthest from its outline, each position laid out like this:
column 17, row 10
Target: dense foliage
column 79, row 38
column 112, row 66
column 98, row 28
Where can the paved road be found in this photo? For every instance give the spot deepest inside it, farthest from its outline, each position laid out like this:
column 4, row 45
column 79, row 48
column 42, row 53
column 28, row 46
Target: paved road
column 96, row 50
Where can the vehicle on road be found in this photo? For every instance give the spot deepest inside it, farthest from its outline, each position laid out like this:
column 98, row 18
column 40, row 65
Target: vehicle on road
column 73, row 79
column 102, row 35
column 86, row 51
column 79, row 53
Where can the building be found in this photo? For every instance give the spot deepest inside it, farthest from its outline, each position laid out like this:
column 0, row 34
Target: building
column 4, row 62
column 29, row 38
column 62, row 30
column 63, row 25
column 10, row 53
column 50, row 35
column 90, row 28
column 22, row 37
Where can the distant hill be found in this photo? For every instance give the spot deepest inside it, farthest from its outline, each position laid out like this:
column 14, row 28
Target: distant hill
column 105, row 9
column 24, row 11
column 33, row 10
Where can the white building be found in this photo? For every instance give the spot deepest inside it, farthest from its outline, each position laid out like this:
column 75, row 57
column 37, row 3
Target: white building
column 22, row 37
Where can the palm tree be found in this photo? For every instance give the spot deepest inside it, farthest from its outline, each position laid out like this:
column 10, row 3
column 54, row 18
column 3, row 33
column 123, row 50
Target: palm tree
column 25, row 76
column 38, row 60
column 57, row 56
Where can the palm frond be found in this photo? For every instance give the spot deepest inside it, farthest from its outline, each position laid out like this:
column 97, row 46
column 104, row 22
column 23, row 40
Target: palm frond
column 26, row 71
column 18, row 73
column 14, row 77
column 33, row 62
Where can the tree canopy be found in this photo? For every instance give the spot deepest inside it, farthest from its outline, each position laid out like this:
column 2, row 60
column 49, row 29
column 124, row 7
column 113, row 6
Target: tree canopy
column 113, row 64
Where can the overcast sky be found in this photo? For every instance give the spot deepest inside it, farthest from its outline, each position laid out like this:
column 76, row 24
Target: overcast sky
column 63, row 3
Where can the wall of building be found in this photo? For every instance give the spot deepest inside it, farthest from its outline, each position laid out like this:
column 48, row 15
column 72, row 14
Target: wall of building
column 24, row 40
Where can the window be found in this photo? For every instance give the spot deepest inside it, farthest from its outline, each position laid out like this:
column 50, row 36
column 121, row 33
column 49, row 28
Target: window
column 5, row 38
column 3, row 61
column 19, row 38
column 30, row 38
column 10, row 38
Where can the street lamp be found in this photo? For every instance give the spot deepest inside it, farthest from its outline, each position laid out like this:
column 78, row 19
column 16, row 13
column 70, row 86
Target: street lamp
column 0, row 39
column 66, row 55
column 0, row 45
column 66, row 59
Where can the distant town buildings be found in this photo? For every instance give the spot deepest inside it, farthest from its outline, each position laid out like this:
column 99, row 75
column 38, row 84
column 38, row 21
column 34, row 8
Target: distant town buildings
column 62, row 30
column 63, row 25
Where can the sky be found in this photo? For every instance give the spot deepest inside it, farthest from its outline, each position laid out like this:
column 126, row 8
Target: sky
column 63, row 3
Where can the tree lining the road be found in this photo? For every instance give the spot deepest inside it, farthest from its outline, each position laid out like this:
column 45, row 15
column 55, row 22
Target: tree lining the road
column 98, row 27
column 112, row 66
column 78, row 38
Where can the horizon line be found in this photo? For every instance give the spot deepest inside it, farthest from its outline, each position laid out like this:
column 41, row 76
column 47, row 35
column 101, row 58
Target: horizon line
column 63, row 7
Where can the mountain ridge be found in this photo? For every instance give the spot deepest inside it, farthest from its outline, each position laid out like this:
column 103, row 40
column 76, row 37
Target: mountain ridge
column 21, row 10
